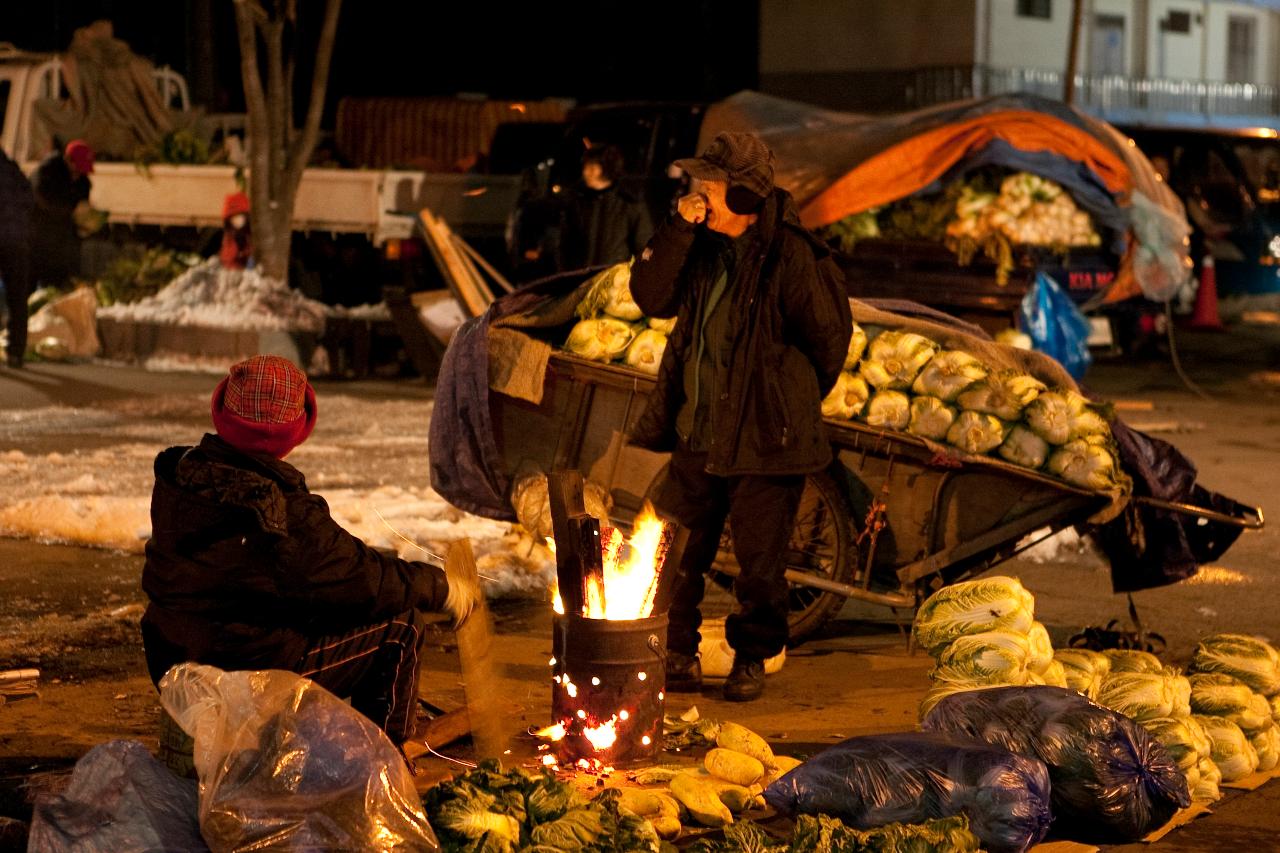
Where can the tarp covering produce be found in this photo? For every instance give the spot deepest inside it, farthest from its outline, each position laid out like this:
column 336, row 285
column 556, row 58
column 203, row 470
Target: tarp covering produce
column 880, row 779
column 1111, row 780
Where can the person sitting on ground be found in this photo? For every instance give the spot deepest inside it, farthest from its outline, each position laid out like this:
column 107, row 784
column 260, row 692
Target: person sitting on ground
column 246, row 568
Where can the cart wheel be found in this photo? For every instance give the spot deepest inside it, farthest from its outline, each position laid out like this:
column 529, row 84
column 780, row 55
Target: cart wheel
column 821, row 544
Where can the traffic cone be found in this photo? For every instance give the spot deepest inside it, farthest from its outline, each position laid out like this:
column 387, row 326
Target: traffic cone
column 1205, row 314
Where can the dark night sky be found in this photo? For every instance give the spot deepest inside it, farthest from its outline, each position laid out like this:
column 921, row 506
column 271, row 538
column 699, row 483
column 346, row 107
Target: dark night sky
column 665, row 49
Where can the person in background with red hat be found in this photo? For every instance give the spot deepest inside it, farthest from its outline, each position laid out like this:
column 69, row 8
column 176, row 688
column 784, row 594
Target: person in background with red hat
column 246, row 569
column 61, row 185
column 237, row 245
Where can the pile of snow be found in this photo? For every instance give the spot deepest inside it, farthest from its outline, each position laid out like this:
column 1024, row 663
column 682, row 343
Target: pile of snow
column 366, row 459
column 1065, row 545
column 212, row 296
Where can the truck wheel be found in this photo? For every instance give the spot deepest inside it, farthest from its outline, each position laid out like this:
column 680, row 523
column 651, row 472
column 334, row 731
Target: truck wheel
column 822, row 544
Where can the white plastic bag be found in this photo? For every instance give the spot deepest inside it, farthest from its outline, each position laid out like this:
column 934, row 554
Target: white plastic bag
column 285, row 765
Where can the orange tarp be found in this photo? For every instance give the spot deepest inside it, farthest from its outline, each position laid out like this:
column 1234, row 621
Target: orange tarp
column 910, row 166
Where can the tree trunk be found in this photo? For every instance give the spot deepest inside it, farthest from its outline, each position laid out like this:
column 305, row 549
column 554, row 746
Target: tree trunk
column 278, row 153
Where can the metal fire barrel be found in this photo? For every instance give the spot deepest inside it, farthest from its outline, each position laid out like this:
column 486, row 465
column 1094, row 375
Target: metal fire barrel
column 617, row 669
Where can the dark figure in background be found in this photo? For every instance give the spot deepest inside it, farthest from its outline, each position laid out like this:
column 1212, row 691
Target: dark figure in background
column 246, row 569
column 601, row 223
column 761, row 338
column 16, row 203
column 61, row 185
column 237, row 238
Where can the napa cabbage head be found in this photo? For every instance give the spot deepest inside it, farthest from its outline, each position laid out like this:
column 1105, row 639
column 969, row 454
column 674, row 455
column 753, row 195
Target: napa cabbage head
column 1023, row 447
column 949, row 373
column 888, row 410
column 1004, row 394
column 1181, row 736
column 1039, row 648
column 645, row 351
column 857, row 346
column 972, row 607
column 1234, row 756
column 1219, row 695
column 1087, row 464
column 1138, row 695
column 847, row 398
column 930, row 418
column 1133, row 660
column 610, row 291
column 976, row 433
column 992, row 656
column 1267, row 744
column 1246, row 658
column 1049, row 417
column 895, row 358
column 600, row 338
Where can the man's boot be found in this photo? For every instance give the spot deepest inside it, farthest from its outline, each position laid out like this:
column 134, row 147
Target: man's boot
column 745, row 681
column 684, row 673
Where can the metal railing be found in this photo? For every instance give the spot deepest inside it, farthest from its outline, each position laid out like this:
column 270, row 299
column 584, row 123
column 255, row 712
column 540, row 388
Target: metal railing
column 1107, row 95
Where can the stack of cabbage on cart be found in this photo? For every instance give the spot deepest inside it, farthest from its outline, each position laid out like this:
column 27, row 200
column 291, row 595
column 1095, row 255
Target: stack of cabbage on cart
column 613, row 328
column 903, row 381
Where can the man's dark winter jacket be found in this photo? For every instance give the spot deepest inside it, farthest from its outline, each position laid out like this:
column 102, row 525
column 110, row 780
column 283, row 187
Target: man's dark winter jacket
column 55, row 246
column 602, row 227
column 16, row 202
column 790, row 328
column 245, row 566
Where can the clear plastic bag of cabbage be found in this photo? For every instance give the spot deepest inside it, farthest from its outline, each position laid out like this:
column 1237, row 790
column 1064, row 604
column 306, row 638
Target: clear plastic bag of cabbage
column 1232, row 753
column 600, row 339
column 1004, row 394
column 994, row 657
column 847, row 398
column 930, row 418
column 947, row 374
column 1087, row 464
column 976, row 433
column 645, row 352
column 888, row 410
column 912, row 777
column 1249, row 659
column 894, row 359
column 857, row 346
column 1111, row 780
column 1084, row 669
column 610, row 291
column 943, row 689
column 1023, row 447
column 996, row 603
column 1267, row 744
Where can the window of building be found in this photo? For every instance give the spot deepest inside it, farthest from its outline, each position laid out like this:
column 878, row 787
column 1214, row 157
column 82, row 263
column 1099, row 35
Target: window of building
column 1242, row 43
column 1035, row 9
column 1177, row 22
column 1106, row 45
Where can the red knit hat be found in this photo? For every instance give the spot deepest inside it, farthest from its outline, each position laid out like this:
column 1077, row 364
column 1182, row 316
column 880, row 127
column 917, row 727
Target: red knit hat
column 234, row 203
column 265, row 405
column 80, row 155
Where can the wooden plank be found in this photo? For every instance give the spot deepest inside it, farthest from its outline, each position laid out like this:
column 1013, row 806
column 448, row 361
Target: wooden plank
column 440, row 732
column 478, row 258
column 679, row 539
column 475, row 648
column 1182, row 818
column 456, row 275
column 1253, row 781
column 564, row 492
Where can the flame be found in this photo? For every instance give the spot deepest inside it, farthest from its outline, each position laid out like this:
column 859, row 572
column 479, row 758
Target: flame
column 602, row 736
column 631, row 582
column 553, row 732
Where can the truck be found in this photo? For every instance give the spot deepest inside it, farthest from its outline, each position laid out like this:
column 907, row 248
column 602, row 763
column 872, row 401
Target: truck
column 380, row 204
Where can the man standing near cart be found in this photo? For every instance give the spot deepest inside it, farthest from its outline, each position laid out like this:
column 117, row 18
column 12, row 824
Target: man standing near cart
column 763, row 328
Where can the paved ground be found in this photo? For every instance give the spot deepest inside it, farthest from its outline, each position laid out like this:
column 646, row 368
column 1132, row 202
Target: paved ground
column 73, row 611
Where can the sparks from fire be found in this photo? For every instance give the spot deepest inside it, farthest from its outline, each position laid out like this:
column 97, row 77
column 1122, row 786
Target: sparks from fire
column 630, row 571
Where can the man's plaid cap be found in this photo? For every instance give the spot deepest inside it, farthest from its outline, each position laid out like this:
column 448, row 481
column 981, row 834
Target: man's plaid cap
column 266, row 389
column 741, row 159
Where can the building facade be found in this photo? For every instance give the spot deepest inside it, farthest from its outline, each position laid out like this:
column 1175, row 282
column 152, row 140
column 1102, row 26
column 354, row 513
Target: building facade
column 1160, row 62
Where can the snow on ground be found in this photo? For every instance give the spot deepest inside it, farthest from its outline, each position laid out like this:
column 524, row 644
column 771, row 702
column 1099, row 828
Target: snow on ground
column 1059, row 547
column 84, row 476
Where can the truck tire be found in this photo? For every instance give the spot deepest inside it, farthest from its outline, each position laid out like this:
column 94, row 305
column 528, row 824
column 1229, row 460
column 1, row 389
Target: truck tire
column 822, row 543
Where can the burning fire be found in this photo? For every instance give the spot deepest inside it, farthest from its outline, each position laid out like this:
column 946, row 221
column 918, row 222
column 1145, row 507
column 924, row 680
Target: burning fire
column 630, row 571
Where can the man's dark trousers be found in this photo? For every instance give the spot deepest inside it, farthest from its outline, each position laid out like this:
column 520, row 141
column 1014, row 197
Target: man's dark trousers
column 377, row 666
column 15, row 269
column 761, row 511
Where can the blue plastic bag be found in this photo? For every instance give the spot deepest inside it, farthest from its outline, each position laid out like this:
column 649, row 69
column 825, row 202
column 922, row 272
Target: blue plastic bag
column 912, row 777
column 1112, row 781
column 1056, row 326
